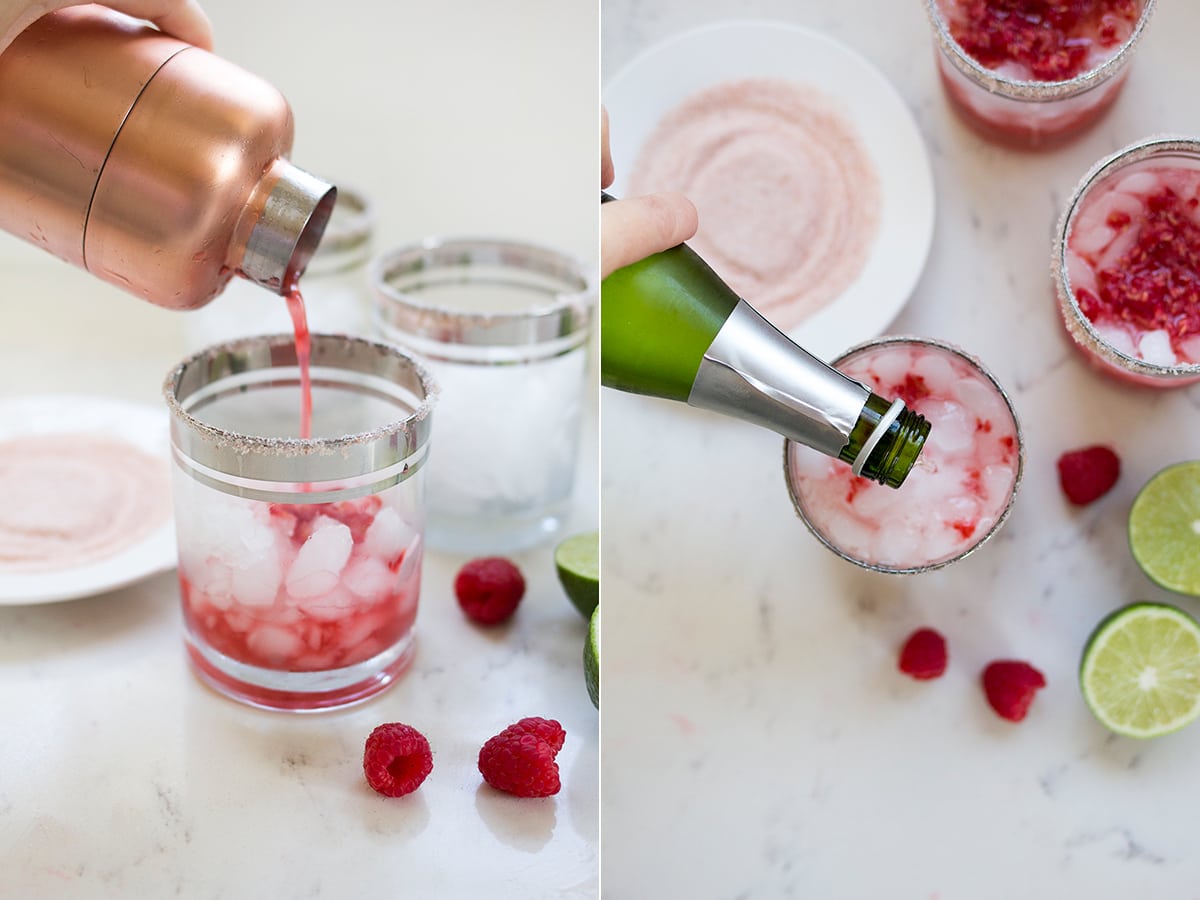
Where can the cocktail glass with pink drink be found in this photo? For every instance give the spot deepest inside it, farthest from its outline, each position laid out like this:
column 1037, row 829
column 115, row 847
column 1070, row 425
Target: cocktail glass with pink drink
column 1127, row 263
column 299, row 558
column 957, row 495
column 1033, row 73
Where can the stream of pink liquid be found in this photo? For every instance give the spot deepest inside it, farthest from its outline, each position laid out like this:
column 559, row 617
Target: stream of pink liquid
column 295, row 305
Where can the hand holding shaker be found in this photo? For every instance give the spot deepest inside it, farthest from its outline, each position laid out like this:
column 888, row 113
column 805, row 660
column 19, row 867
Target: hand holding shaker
column 152, row 164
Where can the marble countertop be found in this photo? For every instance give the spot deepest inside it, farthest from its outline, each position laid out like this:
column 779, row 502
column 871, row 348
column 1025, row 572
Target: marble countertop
column 758, row 742
column 121, row 775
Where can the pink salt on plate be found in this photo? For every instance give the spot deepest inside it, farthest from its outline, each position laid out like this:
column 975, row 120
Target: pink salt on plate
column 788, row 196
column 68, row 500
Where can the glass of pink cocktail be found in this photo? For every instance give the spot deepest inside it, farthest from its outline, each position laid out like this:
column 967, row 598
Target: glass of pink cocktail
column 1127, row 263
column 299, row 558
column 961, row 489
column 1033, row 73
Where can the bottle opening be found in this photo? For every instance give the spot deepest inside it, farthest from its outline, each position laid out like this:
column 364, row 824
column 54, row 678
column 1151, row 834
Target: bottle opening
column 287, row 232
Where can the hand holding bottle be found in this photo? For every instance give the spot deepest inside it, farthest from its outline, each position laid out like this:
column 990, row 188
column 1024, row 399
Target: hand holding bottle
column 183, row 19
column 671, row 328
column 637, row 227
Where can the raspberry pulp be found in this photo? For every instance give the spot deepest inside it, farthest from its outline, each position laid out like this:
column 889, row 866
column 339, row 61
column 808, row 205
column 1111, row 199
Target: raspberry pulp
column 1010, row 686
column 923, row 655
column 489, row 589
column 520, row 759
column 1053, row 38
column 1155, row 285
column 396, row 759
column 1088, row 474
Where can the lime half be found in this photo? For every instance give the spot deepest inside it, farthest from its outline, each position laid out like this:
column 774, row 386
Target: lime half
column 1141, row 670
column 591, row 658
column 577, row 561
column 1164, row 528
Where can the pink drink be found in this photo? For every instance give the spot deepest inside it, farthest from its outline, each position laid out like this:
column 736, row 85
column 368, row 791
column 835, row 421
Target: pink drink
column 1034, row 72
column 959, row 492
column 1129, row 267
column 300, row 558
column 299, row 588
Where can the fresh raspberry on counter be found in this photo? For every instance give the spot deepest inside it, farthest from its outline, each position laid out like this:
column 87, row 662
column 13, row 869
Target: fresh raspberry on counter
column 489, row 589
column 397, row 759
column 923, row 655
column 1088, row 474
column 520, row 759
column 1010, row 686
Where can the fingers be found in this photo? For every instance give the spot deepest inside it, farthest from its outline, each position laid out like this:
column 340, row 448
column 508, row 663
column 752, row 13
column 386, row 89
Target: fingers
column 183, row 19
column 606, row 164
column 632, row 229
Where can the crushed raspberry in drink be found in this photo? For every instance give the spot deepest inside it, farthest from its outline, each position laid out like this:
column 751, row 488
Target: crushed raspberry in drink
column 1133, row 261
column 958, row 491
column 1040, row 40
column 300, row 587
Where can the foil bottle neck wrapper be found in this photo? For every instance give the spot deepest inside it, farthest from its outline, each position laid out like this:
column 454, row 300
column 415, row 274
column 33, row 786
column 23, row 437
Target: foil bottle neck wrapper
column 754, row 372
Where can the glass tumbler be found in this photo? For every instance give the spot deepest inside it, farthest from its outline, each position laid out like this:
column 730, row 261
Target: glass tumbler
column 962, row 487
column 1126, row 263
column 1006, row 104
column 299, row 558
column 504, row 327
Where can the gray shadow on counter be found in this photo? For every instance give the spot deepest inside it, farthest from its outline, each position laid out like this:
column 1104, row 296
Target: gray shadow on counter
column 524, row 823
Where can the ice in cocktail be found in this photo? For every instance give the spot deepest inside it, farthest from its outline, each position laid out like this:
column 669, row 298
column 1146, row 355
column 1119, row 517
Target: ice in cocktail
column 1127, row 263
column 959, row 492
column 298, row 587
column 1034, row 72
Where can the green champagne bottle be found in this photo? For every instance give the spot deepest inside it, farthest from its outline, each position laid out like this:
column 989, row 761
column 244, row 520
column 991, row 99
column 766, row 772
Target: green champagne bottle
column 671, row 328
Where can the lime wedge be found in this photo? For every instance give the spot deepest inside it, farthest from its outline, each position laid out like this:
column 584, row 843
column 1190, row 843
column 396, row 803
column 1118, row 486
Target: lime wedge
column 1140, row 673
column 1164, row 528
column 591, row 658
column 577, row 561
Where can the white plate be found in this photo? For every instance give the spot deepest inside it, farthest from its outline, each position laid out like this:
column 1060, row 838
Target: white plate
column 145, row 427
column 662, row 77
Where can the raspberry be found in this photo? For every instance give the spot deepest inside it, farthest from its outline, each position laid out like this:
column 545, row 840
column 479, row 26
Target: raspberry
column 1010, row 686
column 489, row 589
column 923, row 655
column 520, row 759
column 397, row 759
column 1088, row 474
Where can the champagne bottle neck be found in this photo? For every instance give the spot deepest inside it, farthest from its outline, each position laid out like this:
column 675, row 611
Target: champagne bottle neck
column 753, row 372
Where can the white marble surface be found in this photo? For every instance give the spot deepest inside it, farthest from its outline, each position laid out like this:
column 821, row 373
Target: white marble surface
column 758, row 742
column 121, row 776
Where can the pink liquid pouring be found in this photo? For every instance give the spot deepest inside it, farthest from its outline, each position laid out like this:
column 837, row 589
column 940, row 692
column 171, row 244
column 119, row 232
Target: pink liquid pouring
column 295, row 305
column 957, row 494
column 1132, row 260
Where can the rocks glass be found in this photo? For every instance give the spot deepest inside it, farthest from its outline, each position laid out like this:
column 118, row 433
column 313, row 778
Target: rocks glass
column 504, row 326
column 959, row 492
column 1026, row 90
column 299, row 559
column 1126, row 263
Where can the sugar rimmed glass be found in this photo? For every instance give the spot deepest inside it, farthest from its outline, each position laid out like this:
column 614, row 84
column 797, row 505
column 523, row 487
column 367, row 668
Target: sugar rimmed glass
column 1120, row 349
column 299, row 558
column 504, row 326
column 1027, row 113
column 959, row 493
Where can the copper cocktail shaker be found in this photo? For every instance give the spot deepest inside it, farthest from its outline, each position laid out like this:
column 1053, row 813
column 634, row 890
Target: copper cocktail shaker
column 156, row 166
